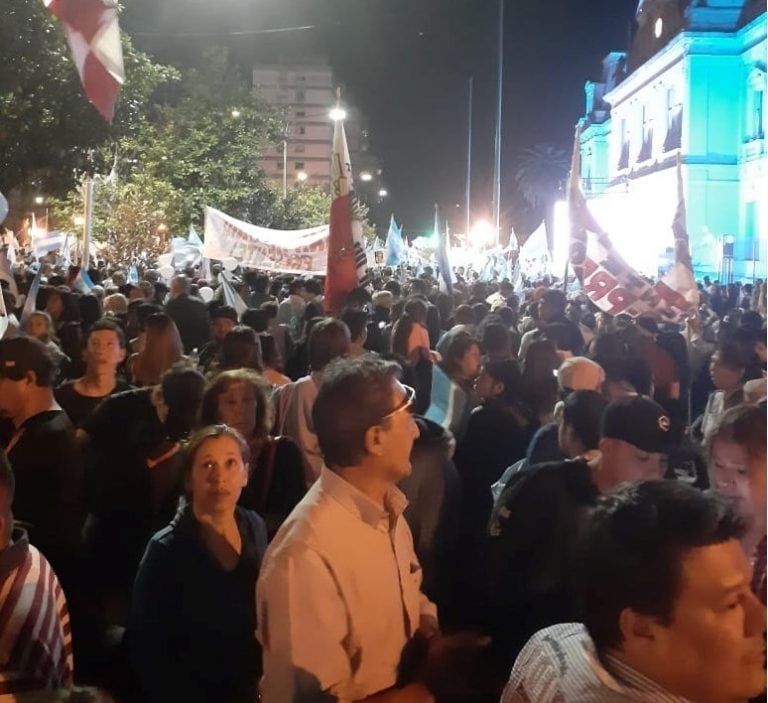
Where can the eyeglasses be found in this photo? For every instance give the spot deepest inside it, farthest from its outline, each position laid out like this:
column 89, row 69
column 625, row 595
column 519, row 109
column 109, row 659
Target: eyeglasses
column 405, row 405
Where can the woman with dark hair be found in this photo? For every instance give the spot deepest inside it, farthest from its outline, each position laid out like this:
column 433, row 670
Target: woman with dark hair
column 242, row 399
column 90, row 311
column 241, row 349
column 161, row 348
column 193, row 616
column 297, row 364
column 727, row 369
column 62, row 306
column 539, row 381
column 271, row 360
column 410, row 339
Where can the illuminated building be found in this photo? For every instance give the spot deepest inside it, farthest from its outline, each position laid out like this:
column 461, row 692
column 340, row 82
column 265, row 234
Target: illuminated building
column 691, row 86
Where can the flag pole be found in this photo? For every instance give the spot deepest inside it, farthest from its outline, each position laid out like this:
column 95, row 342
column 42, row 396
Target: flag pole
column 468, row 195
column 497, row 154
column 88, row 225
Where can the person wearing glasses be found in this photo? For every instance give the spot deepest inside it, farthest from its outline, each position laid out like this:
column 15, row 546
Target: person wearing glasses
column 339, row 594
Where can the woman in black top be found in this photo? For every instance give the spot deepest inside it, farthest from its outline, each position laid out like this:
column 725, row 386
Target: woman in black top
column 194, row 616
column 241, row 398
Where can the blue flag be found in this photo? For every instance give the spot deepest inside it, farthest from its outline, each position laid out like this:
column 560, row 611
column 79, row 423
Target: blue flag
column 446, row 272
column 133, row 274
column 194, row 237
column 396, row 252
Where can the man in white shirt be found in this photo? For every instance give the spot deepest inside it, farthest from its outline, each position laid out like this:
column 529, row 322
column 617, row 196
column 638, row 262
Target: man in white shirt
column 339, row 592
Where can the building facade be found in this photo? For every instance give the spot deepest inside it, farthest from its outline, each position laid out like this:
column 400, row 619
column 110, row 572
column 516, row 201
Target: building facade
column 691, row 88
column 305, row 94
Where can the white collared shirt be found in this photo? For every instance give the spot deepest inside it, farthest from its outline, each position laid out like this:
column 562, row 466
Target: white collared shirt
column 339, row 595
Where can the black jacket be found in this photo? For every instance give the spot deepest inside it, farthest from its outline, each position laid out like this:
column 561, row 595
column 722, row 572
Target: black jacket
column 193, row 624
column 192, row 319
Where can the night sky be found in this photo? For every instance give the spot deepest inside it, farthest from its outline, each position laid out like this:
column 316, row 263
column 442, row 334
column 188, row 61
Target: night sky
column 405, row 63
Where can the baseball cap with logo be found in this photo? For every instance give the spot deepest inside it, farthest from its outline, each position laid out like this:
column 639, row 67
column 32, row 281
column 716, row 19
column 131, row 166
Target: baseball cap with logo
column 639, row 421
column 21, row 355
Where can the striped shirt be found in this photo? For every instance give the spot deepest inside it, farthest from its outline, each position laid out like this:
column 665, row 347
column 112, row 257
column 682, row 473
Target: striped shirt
column 35, row 636
column 559, row 664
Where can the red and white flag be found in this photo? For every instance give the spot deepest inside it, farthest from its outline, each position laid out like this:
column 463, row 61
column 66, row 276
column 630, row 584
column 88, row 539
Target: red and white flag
column 347, row 265
column 94, row 37
column 608, row 279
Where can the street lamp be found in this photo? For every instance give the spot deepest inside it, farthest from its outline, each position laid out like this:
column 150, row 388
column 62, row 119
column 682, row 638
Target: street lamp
column 366, row 177
column 39, row 200
column 383, row 193
column 302, row 176
column 338, row 113
column 235, row 113
column 78, row 220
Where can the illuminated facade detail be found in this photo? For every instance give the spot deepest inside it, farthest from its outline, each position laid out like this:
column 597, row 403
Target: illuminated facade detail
column 697, row 92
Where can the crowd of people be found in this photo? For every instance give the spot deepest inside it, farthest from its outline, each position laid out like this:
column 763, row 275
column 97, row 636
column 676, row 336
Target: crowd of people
column 428, row 495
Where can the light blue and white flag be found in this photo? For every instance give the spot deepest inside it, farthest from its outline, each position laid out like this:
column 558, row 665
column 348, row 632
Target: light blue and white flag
column 397, row 252
column 6, row 272
column 82, row 283
column 133, row 274
column 448, row 402
column 46, row 242
column 194, row 237
column 231, row 296
column 446, row 272
column 30, row 304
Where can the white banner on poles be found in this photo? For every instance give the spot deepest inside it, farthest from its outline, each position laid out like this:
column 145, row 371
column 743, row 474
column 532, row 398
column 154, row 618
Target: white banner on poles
column 301, row 251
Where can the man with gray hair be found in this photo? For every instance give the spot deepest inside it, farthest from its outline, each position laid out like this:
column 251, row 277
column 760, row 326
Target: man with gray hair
column 190, row 315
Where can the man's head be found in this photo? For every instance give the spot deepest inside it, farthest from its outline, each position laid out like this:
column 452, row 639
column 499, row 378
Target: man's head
column 666, row 589
column 362, row 417
column 357, row 322
column 328, row 340
column 634, row 441
column 104, row 346
column 27, row 375
column 578, row 373
column 728, row 366
column 223, row 320
column 736, row 449
column 180, row 285
column 552, row 305
column 579, row 430
column 7, row 487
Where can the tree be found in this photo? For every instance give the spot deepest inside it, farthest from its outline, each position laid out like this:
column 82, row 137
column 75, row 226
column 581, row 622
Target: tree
column 540, row 177
column 49, row 129
column 206, row 139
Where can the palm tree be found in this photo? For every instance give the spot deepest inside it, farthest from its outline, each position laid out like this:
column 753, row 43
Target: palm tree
column 540, row 177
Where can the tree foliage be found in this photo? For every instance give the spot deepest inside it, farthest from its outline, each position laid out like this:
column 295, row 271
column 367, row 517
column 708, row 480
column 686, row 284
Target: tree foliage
column 48, row 128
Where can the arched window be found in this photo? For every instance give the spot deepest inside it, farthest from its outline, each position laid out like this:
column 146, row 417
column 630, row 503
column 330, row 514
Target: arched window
column 756, row 103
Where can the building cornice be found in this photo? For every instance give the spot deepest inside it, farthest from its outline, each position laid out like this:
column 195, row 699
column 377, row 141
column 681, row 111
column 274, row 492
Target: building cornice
column 684, row 44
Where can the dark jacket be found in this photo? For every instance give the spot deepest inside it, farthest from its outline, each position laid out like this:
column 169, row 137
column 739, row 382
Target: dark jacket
column 530, row 554
column 434, row 497
column 193, row 624
column 49, row 497
column 192, row 319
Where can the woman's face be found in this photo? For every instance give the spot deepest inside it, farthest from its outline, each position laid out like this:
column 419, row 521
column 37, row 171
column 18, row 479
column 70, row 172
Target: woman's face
column 54, row 306
column 237, row 408
column 218, row 476
column 37, row 327
column 470, row 362
column 723, row 377
column 736, row 474
column 487, row 387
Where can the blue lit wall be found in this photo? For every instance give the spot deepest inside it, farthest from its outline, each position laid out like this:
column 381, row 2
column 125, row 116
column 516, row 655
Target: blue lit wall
column 701, row 97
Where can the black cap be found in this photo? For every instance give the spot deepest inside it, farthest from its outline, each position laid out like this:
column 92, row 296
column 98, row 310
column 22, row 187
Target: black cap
column 21, row 355
column 639, row 421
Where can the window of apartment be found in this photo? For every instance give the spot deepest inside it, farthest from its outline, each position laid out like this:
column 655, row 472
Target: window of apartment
column 647, row 133
column 299, row 148
column 301, row 96
column 623, row 144
column 673, row 139
column 756, row 104
column 298, row 166
column 301, row 79
column 302, row 130
column 301, row 113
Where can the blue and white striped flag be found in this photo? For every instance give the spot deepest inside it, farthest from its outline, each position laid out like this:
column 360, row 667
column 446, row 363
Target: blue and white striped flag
column 46, row 242
column 396, row 250
column 83, row 282
column 133, row 274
